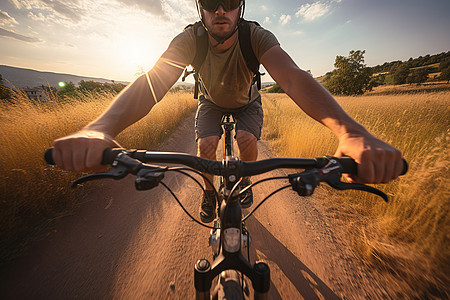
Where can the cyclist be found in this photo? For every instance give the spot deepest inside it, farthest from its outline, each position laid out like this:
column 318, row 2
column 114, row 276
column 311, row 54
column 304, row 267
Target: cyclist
column 225, row 84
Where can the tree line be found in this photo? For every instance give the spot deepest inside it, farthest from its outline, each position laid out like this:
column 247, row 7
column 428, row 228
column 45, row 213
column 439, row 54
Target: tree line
column 69, row 89
column 87, row 87
column 352, row 77
column 413, row 62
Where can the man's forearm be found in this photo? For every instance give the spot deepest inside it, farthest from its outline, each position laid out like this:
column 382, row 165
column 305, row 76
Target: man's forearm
column 132, row 104
column 319, row 104
column 309, row 95
column 137, row 99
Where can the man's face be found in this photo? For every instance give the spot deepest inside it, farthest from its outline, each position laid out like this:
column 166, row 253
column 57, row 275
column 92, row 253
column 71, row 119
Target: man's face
column 221, row 23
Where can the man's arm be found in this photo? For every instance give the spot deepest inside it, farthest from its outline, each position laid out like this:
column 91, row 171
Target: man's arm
column 378, row 161
column 82, row 150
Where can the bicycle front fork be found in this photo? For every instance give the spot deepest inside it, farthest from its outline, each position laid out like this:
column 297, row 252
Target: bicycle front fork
column 204, row 275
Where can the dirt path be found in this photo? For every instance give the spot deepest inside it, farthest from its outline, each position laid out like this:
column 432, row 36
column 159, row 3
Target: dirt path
column 125, row 244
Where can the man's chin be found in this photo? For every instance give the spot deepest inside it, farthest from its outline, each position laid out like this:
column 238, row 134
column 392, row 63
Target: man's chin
column 222, row 33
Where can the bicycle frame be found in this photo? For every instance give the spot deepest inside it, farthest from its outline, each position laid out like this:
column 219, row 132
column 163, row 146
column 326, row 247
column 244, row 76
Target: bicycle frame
column 231, row 228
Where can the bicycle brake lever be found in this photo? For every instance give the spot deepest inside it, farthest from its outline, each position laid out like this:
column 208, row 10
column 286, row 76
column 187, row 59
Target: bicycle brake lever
column 335, row 182
column 117, row 173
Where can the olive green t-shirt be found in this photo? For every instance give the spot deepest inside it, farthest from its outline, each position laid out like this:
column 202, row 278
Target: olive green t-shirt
column 225, row 78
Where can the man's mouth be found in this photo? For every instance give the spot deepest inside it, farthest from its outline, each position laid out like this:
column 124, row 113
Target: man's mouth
column 220, row 22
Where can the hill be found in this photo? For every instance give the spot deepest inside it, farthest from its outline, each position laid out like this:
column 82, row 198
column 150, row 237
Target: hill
column 429, row 61
column 21, row 78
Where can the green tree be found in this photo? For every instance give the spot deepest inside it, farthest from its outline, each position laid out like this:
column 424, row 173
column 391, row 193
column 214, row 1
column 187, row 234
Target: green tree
column 400, row 73
column 275, row 89
column 444, row 67
column 90, row 86
column 69, row 90
column 5, row 92
column 351, row 76
column 417, row 76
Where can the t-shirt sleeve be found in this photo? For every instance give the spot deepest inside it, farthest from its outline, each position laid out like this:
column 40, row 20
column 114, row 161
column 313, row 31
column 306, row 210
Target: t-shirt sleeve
column 181, row 50
column 262, row 40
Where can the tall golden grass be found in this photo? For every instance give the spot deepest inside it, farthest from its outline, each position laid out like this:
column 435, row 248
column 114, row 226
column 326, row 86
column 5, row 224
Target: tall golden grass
column 408, row 237
column 33, row 193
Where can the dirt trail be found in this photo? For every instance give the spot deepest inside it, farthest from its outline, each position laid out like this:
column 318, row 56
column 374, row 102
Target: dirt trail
column 125, row 244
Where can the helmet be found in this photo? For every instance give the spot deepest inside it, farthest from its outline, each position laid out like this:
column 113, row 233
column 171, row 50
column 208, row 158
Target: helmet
column 212, row 5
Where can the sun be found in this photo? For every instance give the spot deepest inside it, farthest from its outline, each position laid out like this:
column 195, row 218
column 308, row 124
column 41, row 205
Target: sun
column 136, row 52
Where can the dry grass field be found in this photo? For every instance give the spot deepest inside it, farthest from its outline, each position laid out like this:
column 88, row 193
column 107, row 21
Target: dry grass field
column 32, row 194
column 407, row 238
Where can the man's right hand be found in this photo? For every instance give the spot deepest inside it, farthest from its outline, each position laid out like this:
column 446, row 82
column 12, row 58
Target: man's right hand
column 82, row 151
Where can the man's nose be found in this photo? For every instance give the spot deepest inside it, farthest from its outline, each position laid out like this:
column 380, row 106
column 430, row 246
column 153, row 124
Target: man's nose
column 220, row 10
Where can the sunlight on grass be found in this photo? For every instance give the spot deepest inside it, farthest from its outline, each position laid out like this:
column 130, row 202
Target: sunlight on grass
column 33, row 193
column 413, row 228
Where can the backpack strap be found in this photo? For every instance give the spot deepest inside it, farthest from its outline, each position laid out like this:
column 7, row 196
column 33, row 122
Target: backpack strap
column 201, row 40
column 248, row 53
column 246, row 46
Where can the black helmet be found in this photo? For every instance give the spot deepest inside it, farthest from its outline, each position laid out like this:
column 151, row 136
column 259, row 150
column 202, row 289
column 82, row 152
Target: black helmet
column 212, row 5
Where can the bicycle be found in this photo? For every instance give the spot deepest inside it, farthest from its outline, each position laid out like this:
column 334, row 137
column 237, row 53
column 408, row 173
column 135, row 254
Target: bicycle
column 229, row 237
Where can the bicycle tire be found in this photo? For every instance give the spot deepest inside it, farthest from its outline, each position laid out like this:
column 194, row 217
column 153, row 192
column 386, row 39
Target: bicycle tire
column 228, row 286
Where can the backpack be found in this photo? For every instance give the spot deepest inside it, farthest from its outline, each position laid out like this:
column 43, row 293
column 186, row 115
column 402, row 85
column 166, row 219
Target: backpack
column 202, row 44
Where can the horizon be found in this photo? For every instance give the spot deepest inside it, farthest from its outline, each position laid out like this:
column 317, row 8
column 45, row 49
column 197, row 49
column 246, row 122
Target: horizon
column 115, row 39
column 270, row 80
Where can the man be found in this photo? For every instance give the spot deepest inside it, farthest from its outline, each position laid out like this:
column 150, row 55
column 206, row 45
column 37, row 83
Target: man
column 226, row 81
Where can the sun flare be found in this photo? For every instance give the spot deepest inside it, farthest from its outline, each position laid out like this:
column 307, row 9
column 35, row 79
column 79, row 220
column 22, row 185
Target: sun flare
column 136, row 52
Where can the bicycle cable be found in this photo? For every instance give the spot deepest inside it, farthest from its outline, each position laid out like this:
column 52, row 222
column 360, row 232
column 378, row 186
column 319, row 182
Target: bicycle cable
column 264, row 200
column 177, row 169
column 184, row 209
column 182, row 170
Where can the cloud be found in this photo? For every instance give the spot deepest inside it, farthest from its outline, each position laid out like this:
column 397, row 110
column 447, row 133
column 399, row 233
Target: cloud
column 23, row 38
column 69, row 8
column 19, row 4
column 36, row 17
column 310, row 12
column 6, row 19
column 267, row 21
column 284, row 19
column 152, row 6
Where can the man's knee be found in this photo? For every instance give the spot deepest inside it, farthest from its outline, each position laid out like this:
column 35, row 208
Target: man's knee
column 207, row 146
column 245, row 139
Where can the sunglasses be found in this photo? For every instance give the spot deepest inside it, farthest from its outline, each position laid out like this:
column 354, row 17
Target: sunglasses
column 213, row 5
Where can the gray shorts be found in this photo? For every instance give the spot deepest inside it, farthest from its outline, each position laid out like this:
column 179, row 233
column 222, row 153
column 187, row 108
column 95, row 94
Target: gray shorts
column 208, row 117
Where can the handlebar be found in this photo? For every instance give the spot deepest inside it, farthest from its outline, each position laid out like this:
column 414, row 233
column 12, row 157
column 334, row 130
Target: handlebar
column 213, row 167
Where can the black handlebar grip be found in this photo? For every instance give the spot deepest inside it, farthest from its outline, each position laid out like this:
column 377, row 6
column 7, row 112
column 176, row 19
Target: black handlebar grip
column 351, row 167
column 110, row 154
column 48, row 156
column 405, row 167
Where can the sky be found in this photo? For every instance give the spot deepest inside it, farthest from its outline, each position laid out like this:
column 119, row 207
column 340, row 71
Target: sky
column 117, row 39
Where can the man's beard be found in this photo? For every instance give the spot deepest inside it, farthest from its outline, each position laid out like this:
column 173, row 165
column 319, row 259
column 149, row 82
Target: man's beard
column 221, row 33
